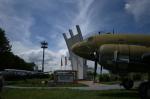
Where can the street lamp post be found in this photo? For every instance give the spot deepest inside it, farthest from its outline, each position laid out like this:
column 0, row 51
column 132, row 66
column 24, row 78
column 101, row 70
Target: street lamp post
column 44, row 45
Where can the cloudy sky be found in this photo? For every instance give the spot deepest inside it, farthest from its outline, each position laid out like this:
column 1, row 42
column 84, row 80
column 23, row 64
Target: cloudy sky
column 28, row 22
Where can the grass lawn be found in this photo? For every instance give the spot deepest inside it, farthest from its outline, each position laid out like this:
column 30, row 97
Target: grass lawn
column 38, row 83
column 28, row 83
column 67, row 94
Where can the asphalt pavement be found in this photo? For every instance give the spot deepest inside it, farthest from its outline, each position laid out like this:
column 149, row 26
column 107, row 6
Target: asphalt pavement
column 91, row 86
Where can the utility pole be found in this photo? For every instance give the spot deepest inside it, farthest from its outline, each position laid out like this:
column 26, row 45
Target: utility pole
column 44, row 45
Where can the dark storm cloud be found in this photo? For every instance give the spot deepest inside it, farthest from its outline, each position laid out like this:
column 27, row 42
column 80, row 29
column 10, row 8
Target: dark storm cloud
column 123, row 15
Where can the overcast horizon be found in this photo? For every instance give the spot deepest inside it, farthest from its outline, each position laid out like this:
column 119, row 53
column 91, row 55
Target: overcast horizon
column 28, row 22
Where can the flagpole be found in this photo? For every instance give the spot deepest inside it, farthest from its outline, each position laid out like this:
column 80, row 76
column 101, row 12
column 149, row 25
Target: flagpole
column 65, row 62
column 61, row 63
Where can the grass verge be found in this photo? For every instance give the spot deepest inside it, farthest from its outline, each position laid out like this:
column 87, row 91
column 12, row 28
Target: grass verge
column 67, row 94
column 38, row 83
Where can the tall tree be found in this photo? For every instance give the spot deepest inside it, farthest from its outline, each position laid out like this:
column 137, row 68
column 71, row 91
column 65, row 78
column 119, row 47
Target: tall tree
column 8, row 59
column 4, row 43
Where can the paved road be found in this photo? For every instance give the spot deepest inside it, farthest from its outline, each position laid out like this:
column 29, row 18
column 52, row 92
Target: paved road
column 103, row 87
column 92, row 86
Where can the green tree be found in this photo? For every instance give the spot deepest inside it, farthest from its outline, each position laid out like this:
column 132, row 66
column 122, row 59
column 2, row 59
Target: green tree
column 4, row 43
column 8, row 59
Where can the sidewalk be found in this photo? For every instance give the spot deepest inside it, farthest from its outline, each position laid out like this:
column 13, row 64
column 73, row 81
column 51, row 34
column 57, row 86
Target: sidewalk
column 91, row 86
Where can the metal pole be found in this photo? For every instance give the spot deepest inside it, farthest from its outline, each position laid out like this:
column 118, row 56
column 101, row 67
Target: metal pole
column 77, row 68
column 43, row 60
column 44, row 45
column 95, row 71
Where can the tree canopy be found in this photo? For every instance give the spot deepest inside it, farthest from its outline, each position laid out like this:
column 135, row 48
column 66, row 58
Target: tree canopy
column 8, row 59
column 4, row 43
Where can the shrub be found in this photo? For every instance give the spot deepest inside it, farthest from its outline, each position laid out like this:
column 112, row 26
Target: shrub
column 28, row 76
column 137, row 77
column 108, row 77
column 104, row 77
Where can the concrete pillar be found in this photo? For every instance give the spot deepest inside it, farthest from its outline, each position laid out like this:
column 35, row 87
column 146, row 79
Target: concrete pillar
column 65, row 37
column 78, row 64
column 71, row 32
